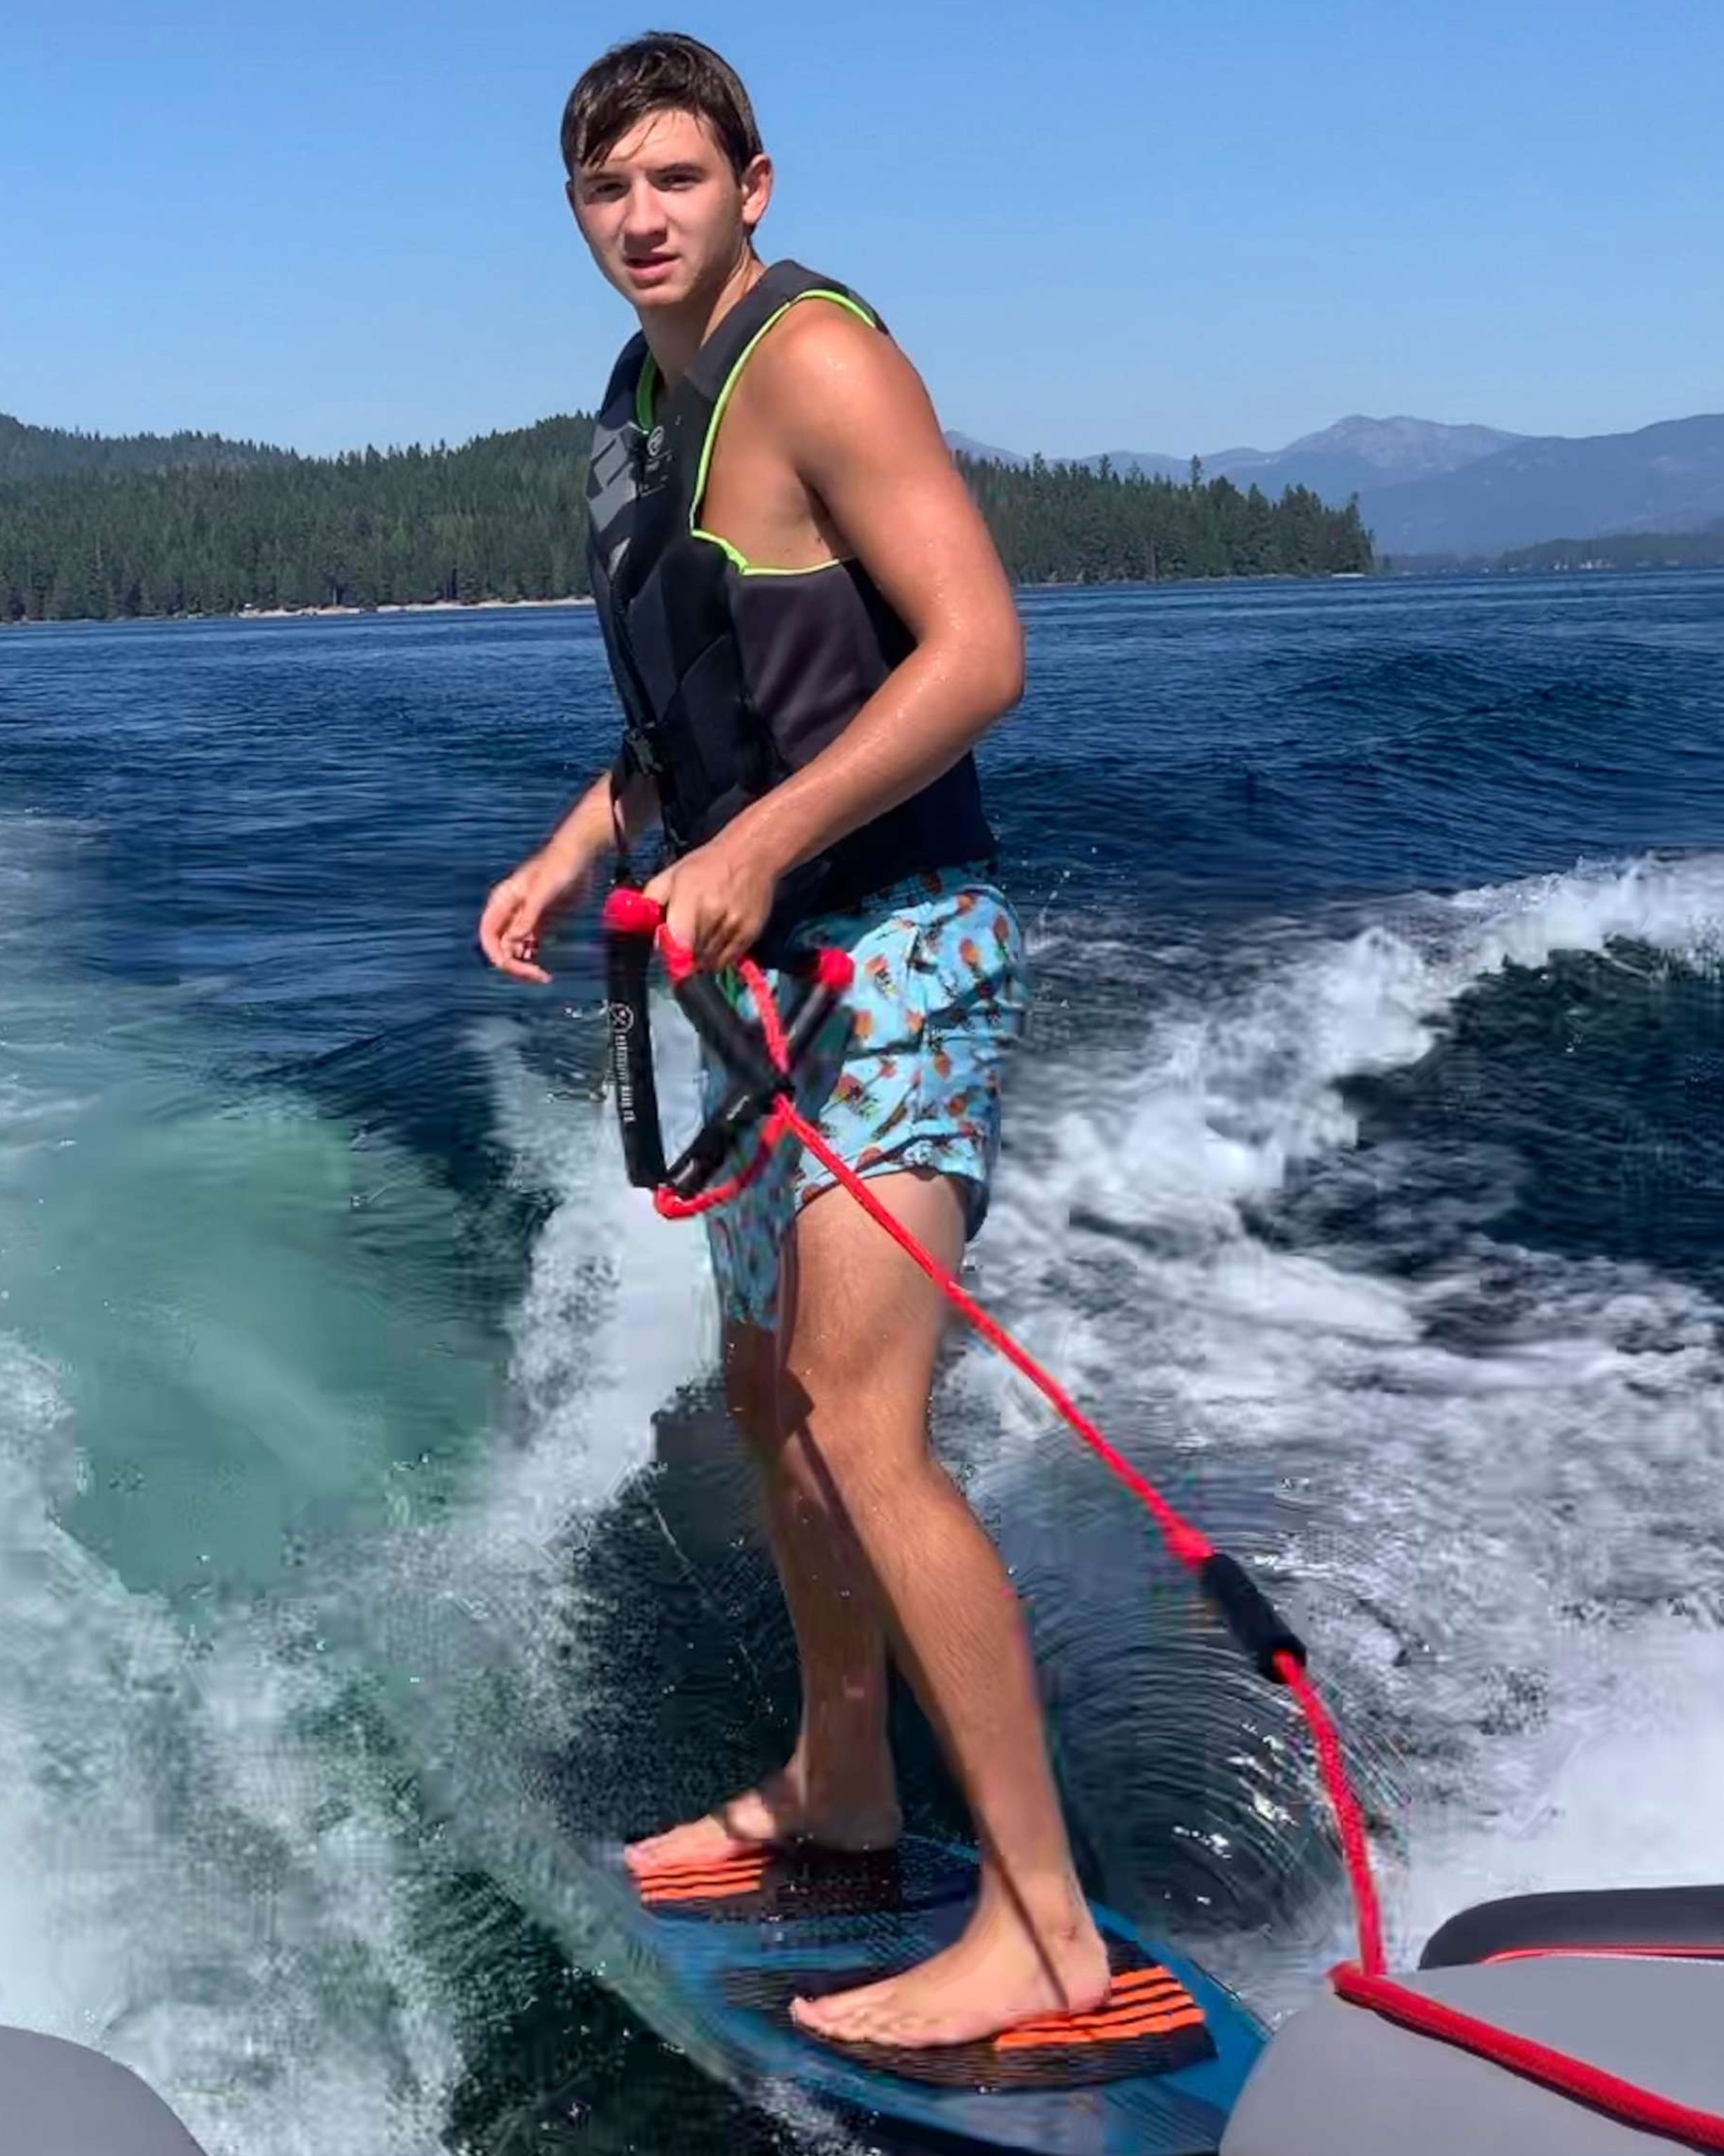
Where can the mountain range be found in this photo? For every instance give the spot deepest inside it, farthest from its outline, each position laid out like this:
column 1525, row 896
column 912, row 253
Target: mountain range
column 1427, row 488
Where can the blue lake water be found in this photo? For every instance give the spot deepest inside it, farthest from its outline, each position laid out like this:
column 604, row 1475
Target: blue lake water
column 370, row 1530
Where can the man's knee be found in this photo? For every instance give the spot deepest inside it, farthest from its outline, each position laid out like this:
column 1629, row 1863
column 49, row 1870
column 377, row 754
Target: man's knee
column 855, row 1424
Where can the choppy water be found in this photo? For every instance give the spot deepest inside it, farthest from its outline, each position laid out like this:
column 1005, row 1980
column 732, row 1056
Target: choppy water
column 1365, row 1172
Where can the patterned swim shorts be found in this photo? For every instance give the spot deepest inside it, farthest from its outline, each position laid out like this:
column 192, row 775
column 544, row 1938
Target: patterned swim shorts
column 908, row 1075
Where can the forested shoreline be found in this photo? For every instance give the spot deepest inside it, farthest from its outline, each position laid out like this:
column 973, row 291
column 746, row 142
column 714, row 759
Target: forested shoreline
column 97, row 528
column 1611, row 550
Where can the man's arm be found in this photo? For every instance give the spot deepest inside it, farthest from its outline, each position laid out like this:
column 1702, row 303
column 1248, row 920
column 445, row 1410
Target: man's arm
column 554, row 878
column 858, row 428
column 589, row 828
column 864, row 440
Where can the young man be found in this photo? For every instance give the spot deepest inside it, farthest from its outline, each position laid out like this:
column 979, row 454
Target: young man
column 809, row 628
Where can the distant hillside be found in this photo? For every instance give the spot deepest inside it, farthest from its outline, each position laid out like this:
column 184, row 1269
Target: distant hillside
column 29, row 451
column 1142, row 464
column 1663, row 478
column 1625, row 550
column 966, row 445
column 1060, row 524
column 1122, row 463
column 1354, row 454
column 1429, row 489
column 502, row 517
column 1359, row 455
column 1619, row 549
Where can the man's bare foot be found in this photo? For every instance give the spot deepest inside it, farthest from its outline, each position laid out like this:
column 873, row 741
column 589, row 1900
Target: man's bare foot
column 780, row 1811
column 992, row 1978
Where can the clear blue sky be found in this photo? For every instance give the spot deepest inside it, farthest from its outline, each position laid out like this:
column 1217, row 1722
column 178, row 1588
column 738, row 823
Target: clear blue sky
column 1112, row 223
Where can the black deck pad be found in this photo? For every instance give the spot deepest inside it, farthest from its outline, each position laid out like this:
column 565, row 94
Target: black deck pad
column 801, row 1880
column 1149, row 2024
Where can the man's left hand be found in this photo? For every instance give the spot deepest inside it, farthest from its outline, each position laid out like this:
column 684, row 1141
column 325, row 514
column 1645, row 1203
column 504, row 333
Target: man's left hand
column 716, row 901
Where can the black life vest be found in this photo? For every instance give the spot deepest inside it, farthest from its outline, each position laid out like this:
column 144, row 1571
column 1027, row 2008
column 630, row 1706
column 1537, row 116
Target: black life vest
column 733, row 676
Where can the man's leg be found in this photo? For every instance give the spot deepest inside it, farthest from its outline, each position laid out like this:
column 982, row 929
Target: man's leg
column 837, row 1789
column 863, row 1328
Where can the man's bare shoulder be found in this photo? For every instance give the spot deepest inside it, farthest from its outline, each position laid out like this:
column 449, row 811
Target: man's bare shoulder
column 824, row 370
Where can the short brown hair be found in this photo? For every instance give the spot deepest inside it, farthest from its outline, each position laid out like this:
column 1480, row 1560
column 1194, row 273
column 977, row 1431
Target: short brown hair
column 662, row 72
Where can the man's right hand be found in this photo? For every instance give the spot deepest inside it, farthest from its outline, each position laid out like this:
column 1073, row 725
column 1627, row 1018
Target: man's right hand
column 520, row 906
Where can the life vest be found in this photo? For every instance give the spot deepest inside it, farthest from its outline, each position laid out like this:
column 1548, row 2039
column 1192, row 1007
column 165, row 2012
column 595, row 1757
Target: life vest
column 733, row 675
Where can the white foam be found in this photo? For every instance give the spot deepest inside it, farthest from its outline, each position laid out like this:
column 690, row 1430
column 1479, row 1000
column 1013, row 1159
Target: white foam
column 1225, row 1096
column 1616, row 1795
column 1229, row 1091
column 187, row 1884
column 617, row 1312
column 617, row 1315
column 173, row 1883
column 226, row 1905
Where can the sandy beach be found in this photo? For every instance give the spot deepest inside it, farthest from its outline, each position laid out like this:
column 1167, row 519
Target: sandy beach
column 396, row 606
column 311, row 614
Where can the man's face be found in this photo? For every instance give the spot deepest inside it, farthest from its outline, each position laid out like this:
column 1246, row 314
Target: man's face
column 664, row 213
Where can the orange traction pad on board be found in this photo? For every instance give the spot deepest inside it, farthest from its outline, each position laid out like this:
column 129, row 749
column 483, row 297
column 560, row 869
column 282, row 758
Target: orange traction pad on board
column 1149, row 2024
column 785, row 1882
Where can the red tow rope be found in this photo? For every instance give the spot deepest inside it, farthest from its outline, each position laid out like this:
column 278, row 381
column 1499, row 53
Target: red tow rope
column 1560, row 2071
column 1278, row 1654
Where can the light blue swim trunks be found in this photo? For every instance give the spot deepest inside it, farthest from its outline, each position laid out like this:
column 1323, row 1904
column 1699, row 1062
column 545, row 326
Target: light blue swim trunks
column 909, row 1075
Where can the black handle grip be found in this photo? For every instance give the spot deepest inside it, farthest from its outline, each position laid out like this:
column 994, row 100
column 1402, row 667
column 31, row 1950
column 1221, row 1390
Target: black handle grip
column 634, row 924
column 725, row 1031
column 1248, row 1614
column 627, row 959
column 749, row 1097
column 811, row 1013
column 689, row 1175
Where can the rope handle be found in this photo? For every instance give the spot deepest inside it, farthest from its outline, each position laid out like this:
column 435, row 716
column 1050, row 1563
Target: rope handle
column 762, row 1062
